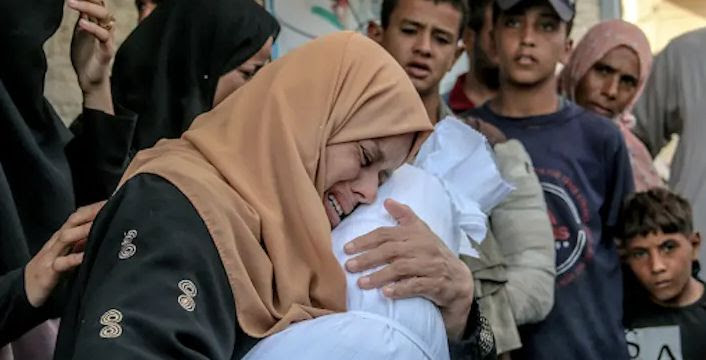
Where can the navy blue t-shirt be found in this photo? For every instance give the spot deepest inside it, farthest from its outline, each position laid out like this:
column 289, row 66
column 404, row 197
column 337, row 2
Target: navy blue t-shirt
column 583, row 166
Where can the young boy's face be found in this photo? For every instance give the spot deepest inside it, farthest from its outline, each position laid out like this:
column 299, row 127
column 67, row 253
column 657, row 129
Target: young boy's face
column 423, row 37
column 662, row 263
column 528, row 43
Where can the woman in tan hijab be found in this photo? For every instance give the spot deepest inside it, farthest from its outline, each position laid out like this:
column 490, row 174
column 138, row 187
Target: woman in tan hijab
column 224, row 236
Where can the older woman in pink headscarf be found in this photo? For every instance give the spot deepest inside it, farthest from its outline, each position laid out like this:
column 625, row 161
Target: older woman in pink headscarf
column 606, row 74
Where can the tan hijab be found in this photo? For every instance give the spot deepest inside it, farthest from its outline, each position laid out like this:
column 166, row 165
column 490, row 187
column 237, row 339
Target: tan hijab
column 253, row 168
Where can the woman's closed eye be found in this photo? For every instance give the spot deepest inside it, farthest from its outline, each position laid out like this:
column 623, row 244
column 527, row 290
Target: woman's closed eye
column 365, row 157
column 247, row 75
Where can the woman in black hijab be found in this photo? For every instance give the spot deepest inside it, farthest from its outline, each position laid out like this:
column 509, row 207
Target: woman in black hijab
column 36, row 189
column 167, row 71
column 178, row 63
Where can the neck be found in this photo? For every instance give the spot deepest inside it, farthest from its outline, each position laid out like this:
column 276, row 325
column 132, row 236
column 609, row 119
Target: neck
column 475, row 90
column 432, row 101
column 523, row 101
column 693, row 291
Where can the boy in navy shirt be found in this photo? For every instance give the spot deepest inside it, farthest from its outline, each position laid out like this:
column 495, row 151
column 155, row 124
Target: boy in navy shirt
column 583, row 166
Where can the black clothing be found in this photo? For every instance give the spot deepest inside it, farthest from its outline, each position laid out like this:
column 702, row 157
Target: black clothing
column 36, row 187
column 35, row 182
column 477, row 342
column 166, row 71
column 642, row 316
column 99, row 152
column 171, row 244
column 18, row 316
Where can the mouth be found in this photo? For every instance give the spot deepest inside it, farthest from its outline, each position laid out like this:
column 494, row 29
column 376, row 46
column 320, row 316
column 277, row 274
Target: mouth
column 601, row 110
column 334, row 210
column 418, row 70
column 662, row 284
column 525, row 59
column 336, row 206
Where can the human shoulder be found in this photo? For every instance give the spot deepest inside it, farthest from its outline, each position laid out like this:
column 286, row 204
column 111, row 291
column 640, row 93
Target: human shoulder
column 597, row 128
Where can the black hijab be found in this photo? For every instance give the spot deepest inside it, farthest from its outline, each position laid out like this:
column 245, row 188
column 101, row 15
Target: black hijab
column 168, row 68
column 36, row 195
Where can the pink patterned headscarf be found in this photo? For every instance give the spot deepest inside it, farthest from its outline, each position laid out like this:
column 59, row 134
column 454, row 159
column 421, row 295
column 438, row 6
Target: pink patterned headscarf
column 597, row 42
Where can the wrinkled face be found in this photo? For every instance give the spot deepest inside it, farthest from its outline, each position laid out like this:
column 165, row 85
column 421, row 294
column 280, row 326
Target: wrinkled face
column 423, row 37
column 144, row 8
column 662, row 263
column 355, row 170
column 528, row 44
column 233, row 80
column 610, row 85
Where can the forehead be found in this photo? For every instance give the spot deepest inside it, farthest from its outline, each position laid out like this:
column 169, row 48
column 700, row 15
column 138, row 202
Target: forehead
column 441, row 15
column 543, row 9
column 655, row 239
column 623, row 59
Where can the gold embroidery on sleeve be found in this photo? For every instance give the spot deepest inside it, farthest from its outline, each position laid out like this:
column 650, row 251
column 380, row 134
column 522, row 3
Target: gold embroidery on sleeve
column 111, row 324
column 186, row 300
column 127, row 248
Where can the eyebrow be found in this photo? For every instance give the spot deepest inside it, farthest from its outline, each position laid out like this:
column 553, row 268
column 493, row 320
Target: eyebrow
column 412, row 22
column 602, row 64
column 422, row 25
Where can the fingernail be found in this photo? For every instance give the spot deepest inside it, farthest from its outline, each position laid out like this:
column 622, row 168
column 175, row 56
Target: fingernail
column 388, row 291
column 364, row 281
column 348, row 248
column 352, row 264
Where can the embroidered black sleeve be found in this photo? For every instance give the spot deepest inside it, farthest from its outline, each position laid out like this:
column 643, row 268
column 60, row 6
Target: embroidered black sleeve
column 17, row 316
column 477, row 342
column 152, row 285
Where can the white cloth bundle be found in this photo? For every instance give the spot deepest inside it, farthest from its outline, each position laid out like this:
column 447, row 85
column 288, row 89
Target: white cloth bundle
column 375, row 327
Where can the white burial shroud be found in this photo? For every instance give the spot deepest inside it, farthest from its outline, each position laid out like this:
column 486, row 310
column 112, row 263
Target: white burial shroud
column 448, row 193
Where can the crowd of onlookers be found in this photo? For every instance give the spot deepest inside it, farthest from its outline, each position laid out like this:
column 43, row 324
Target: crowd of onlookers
column 219, row 236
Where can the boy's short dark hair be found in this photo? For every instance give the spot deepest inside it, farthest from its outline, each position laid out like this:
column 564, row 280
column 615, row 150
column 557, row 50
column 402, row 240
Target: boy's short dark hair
column 476, row 14
column 653, row 211
column 388, row 6
column 523, row 6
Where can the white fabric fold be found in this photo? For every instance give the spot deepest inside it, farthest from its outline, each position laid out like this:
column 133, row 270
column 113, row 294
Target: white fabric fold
column 463, row 160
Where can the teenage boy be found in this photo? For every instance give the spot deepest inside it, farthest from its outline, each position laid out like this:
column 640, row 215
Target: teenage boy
column 514, row 278
column 583, row 165
column 480, row 83
column 667, row 313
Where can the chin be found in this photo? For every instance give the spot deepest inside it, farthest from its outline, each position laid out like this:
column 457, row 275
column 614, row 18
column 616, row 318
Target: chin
column 665, row 296
column 421, row 86
column 527, row 78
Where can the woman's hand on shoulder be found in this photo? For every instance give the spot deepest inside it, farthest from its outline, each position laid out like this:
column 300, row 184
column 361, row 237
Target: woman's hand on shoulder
column 63, row 252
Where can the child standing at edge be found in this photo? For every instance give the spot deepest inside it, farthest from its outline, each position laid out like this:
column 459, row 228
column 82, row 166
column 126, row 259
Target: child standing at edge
column 666, row 309
column 584, row 169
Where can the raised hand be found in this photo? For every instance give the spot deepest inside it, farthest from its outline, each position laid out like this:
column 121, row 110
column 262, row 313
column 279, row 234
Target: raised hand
column 92, row 50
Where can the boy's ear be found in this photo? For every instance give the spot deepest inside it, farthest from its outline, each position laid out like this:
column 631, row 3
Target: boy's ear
column 568, row 48
column 469, row 40
column 375, row 31
column 695, row 240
